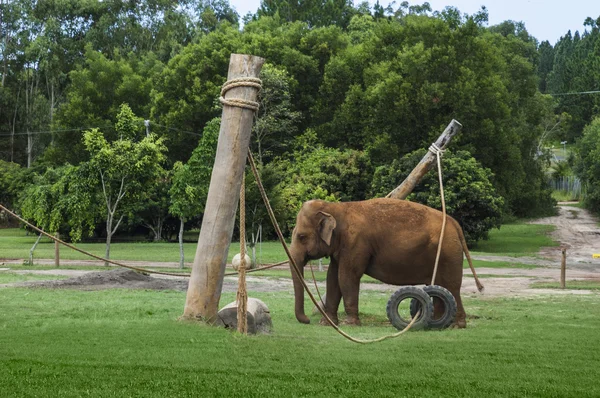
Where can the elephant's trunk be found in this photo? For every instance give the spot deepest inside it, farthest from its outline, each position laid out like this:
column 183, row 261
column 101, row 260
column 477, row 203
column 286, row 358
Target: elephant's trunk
column 299, row 291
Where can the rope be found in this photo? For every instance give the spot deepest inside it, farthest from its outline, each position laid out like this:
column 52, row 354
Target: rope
column 316, row 287
column 143, row 270
column 88, row 253
column 438, row 152
column 242, row 293
column 239, row 102
column 297, row 270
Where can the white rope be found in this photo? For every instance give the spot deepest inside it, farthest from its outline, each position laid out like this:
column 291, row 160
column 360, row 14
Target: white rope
column 438, row 152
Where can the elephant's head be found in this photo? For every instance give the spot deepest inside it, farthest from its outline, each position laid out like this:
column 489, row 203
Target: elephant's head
column 312, row 238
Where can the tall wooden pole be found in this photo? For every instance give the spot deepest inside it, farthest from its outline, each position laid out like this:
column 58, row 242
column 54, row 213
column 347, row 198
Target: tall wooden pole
column 206, row 281
column 428, row 161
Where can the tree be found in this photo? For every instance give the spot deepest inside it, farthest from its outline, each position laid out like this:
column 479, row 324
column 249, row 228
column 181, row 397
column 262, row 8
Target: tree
column 277, row 123
column 124, row 169
column 587, row 165
column 313, row 171
column 191, row 181
column 470, row 197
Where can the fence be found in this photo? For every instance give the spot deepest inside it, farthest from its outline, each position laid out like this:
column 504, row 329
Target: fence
column 568, row 184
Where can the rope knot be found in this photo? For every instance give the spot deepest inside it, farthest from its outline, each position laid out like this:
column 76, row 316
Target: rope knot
column 239, row 102
column 436, row 150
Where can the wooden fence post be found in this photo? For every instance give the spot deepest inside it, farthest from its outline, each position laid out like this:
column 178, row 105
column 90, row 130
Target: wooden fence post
column 563, row 268
column 206, row 281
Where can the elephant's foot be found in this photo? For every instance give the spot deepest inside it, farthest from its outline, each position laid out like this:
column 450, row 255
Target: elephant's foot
column 325, row 322
column 352, row 320
column 459, row 324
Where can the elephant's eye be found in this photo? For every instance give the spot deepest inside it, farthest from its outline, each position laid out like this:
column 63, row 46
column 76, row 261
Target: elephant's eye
column 302, row 237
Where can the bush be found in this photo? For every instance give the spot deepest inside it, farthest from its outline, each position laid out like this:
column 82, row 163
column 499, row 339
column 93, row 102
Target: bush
column 470, row 197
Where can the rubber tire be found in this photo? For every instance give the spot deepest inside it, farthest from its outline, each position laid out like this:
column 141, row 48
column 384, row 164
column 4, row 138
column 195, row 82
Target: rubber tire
column 418, row 295
column 450, row 308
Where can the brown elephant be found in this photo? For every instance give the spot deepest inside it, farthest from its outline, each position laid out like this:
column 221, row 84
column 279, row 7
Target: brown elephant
column 394, row 241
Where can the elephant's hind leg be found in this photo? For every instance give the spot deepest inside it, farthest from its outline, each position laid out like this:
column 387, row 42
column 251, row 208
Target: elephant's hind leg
column 461, row 316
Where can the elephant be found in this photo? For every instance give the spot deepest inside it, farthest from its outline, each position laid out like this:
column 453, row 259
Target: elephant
column 392, row 240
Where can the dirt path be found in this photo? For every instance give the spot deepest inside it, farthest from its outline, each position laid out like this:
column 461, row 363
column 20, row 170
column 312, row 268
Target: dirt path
column 577, row 230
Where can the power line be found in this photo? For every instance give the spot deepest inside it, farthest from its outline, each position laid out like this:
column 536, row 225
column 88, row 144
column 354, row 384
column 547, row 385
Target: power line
column 89, row 128
column 53, row 131
column 576, row 93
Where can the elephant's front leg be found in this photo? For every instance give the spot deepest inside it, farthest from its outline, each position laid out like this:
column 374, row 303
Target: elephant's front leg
column 334, row 295
column 349, row 278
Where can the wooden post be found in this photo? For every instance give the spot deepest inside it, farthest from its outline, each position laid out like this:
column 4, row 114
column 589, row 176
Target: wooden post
column 206, row 281
column 428, row 161
column 57, row 251
column 563, row 268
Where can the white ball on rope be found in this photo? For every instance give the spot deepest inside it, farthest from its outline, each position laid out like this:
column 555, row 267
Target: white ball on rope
column 237, row 260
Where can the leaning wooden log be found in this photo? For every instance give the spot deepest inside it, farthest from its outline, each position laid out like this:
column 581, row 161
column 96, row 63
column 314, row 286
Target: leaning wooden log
column 428, row 161
column 206, row 281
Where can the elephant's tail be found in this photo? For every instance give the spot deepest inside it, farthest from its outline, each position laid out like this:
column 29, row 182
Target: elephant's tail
column 463, row 242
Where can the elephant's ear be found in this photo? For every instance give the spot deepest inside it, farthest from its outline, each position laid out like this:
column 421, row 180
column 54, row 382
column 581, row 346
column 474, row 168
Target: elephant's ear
column 326, row 227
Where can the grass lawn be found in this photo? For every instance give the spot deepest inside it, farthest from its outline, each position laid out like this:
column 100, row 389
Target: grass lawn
column 68, row 343
column 14, row 244
column 517, row 239
column 577, row 285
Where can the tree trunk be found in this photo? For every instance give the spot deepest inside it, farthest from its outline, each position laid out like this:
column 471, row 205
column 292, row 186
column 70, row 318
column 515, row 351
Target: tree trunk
column 206, row 281
column 109, row 234
column 415, row 176
column 57, row 251
column 181, row 254
column 33, row 249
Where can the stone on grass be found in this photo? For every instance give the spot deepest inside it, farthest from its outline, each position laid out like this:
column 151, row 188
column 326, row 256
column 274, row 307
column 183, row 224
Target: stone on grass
column 258, row 315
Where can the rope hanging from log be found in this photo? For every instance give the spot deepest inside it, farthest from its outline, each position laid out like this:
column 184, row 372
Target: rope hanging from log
column 438, row 152
column 242, row 293
column 239, row 102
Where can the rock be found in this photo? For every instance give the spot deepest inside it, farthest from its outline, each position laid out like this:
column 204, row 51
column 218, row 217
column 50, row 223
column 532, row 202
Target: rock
column 258, row 316
column 236, row 261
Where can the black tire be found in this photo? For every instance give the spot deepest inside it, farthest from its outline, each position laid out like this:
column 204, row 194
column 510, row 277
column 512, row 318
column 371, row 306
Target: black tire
column 416, row 294
column 441, row 293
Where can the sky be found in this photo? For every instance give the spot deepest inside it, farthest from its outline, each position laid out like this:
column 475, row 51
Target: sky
column 544, row 19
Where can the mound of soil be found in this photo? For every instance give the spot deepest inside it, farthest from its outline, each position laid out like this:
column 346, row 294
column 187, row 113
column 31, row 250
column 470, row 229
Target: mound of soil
column 118, row 278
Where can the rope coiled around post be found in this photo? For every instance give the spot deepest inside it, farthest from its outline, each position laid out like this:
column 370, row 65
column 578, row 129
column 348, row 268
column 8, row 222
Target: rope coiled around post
column 240, row 102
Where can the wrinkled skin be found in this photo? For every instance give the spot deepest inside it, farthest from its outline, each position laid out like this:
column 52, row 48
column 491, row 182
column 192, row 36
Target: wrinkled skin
column 391, row 240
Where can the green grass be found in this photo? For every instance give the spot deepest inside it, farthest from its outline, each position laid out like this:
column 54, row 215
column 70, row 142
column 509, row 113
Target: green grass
column 575, row 285
column 14, row 244
column 66, row 343
column 518, row 239
column 12, row 277
column 564, row 196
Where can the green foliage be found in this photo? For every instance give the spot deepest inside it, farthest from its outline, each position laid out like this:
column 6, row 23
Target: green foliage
column 191, row 180
column 575, row 69
column 277, row 122
column 588, row 164
column 470, row 196
column 9, row 181
column 314, row 171
column 94, row 99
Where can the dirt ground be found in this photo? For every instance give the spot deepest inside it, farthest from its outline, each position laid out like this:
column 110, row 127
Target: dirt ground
column 577, row 230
